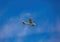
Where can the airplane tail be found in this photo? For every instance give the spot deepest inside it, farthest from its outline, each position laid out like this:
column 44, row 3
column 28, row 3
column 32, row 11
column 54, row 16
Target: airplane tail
column 23, row 22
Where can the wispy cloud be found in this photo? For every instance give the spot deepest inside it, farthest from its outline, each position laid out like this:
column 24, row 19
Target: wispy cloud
column 58, row 25
column 14, row 27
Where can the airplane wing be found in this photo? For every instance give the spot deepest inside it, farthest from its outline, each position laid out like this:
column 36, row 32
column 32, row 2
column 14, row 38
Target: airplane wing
column 30, row 20
column 33, row 24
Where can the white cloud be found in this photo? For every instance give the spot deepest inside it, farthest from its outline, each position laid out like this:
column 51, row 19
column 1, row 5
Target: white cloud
column 58, row 25
column 14, row 27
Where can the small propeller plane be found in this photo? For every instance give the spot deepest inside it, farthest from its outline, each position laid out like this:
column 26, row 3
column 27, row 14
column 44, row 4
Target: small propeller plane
column 29, row 23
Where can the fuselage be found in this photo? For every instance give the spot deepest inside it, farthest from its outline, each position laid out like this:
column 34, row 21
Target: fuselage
column 29, row 23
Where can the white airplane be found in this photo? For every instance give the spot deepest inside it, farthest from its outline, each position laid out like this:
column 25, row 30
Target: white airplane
column 29, row 23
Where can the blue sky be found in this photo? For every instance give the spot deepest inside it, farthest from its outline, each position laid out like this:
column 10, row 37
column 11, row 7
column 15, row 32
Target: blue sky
column 45, row 13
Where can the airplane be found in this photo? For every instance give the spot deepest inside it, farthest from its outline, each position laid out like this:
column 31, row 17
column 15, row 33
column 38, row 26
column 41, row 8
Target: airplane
column 29, row 23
